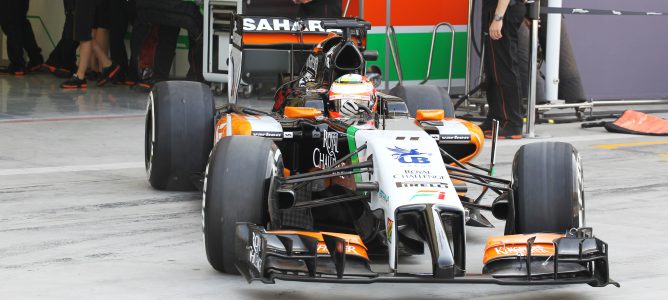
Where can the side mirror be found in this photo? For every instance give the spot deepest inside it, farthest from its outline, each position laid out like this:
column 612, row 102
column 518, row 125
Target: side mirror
column 370, row 55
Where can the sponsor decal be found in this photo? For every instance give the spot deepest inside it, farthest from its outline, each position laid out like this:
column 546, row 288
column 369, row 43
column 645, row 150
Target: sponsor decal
column 422, row 184
column 406, row 156
column 522, row 251
column 458, row 138
column 326, row 156
column 418, row 174
column 389, row 227
column 428, row 194
column 383, row 196
column 268, row 134
column 288, row 135
column 350, row 249
column 283, row 24
column 255, row 253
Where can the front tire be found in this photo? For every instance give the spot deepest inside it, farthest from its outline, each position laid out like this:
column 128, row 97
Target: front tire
column 548, row 189
column 178, row 135
column 239, row 178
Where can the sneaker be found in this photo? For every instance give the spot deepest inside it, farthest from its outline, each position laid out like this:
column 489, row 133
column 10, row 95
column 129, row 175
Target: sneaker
column 109, row 74
column 144, row 86
column 93, row 75
column 507, row 133
column 63, row 73
column 74, row 83
column 16, row 70
column 35, row 65
column 485, row 126
column 50, row 68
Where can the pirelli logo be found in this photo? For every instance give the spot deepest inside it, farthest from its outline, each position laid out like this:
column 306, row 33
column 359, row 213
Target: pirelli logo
column 422, row 184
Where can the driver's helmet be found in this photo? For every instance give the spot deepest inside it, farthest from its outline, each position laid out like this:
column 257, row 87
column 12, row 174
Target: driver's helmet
column 351, row 94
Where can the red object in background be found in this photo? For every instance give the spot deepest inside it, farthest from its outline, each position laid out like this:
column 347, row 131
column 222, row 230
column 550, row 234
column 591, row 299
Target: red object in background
column 635, row 122
column 147, row 52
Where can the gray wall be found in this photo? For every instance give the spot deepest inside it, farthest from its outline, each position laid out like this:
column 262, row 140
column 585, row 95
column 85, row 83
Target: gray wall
column 621, row 57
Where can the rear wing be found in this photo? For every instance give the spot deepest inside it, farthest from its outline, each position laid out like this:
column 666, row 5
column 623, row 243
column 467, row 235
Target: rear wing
column 267, row 46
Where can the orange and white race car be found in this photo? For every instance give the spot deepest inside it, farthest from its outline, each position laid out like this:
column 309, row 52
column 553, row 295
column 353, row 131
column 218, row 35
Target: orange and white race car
column 339, row 172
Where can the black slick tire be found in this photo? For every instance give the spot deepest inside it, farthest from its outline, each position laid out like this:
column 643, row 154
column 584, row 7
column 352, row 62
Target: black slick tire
column 548, row 189
column 179, row 134
column 424, row 97
column 237, row 185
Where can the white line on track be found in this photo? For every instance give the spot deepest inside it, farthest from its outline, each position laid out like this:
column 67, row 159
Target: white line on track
column 64, row 169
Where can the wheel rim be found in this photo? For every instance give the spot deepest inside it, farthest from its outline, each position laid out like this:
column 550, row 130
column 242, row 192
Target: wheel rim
column 149, row 137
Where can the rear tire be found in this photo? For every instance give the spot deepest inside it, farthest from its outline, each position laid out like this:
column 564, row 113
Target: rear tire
column 179, row 134
column 548, row 189
column 237, row 184
column 424, row 97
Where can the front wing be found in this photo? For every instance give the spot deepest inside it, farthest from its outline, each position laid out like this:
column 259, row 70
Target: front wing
column 266, row 256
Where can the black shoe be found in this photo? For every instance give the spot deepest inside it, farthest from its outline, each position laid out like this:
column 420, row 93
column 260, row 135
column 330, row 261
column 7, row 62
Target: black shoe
column 507, row 133
column 109, row 74
column 93, row 75
column 63, row 73
column 144, row 86
column 35, row 65
column 51, row 68
column 16, row 70
column 75, row 83
column 486, row 126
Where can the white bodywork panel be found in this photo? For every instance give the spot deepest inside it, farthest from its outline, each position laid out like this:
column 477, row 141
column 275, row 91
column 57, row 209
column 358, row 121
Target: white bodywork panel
column 409, row 170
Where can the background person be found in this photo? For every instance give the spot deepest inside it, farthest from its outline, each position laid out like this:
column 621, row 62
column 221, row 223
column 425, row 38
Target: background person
column 501, row 21
column 63, row 59
column 15, row 24
column 170, row 16
column 89, row 14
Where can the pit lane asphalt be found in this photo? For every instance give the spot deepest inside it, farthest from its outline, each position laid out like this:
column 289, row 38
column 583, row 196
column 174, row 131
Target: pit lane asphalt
column 79, row 220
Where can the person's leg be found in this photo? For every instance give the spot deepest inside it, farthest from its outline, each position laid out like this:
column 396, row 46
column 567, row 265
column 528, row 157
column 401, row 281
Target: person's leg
column 503, row 70
column 12, row 27
column 165, row 51
column 100, row 54
column 101, row 42
column 507, row 67
column 140, row 31
column 79, row 78
column 63, row 60
column 28, row 39
column 84, row 11
column 110, row 70
column 69, row 56
column 119, row 26
column 85, row 53
column 195, row 23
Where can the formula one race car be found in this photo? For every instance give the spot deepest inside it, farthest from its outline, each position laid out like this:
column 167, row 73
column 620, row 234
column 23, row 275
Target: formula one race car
column 339, row 174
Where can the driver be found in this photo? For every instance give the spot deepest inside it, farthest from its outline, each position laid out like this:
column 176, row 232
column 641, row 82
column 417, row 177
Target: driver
column 350, row 95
